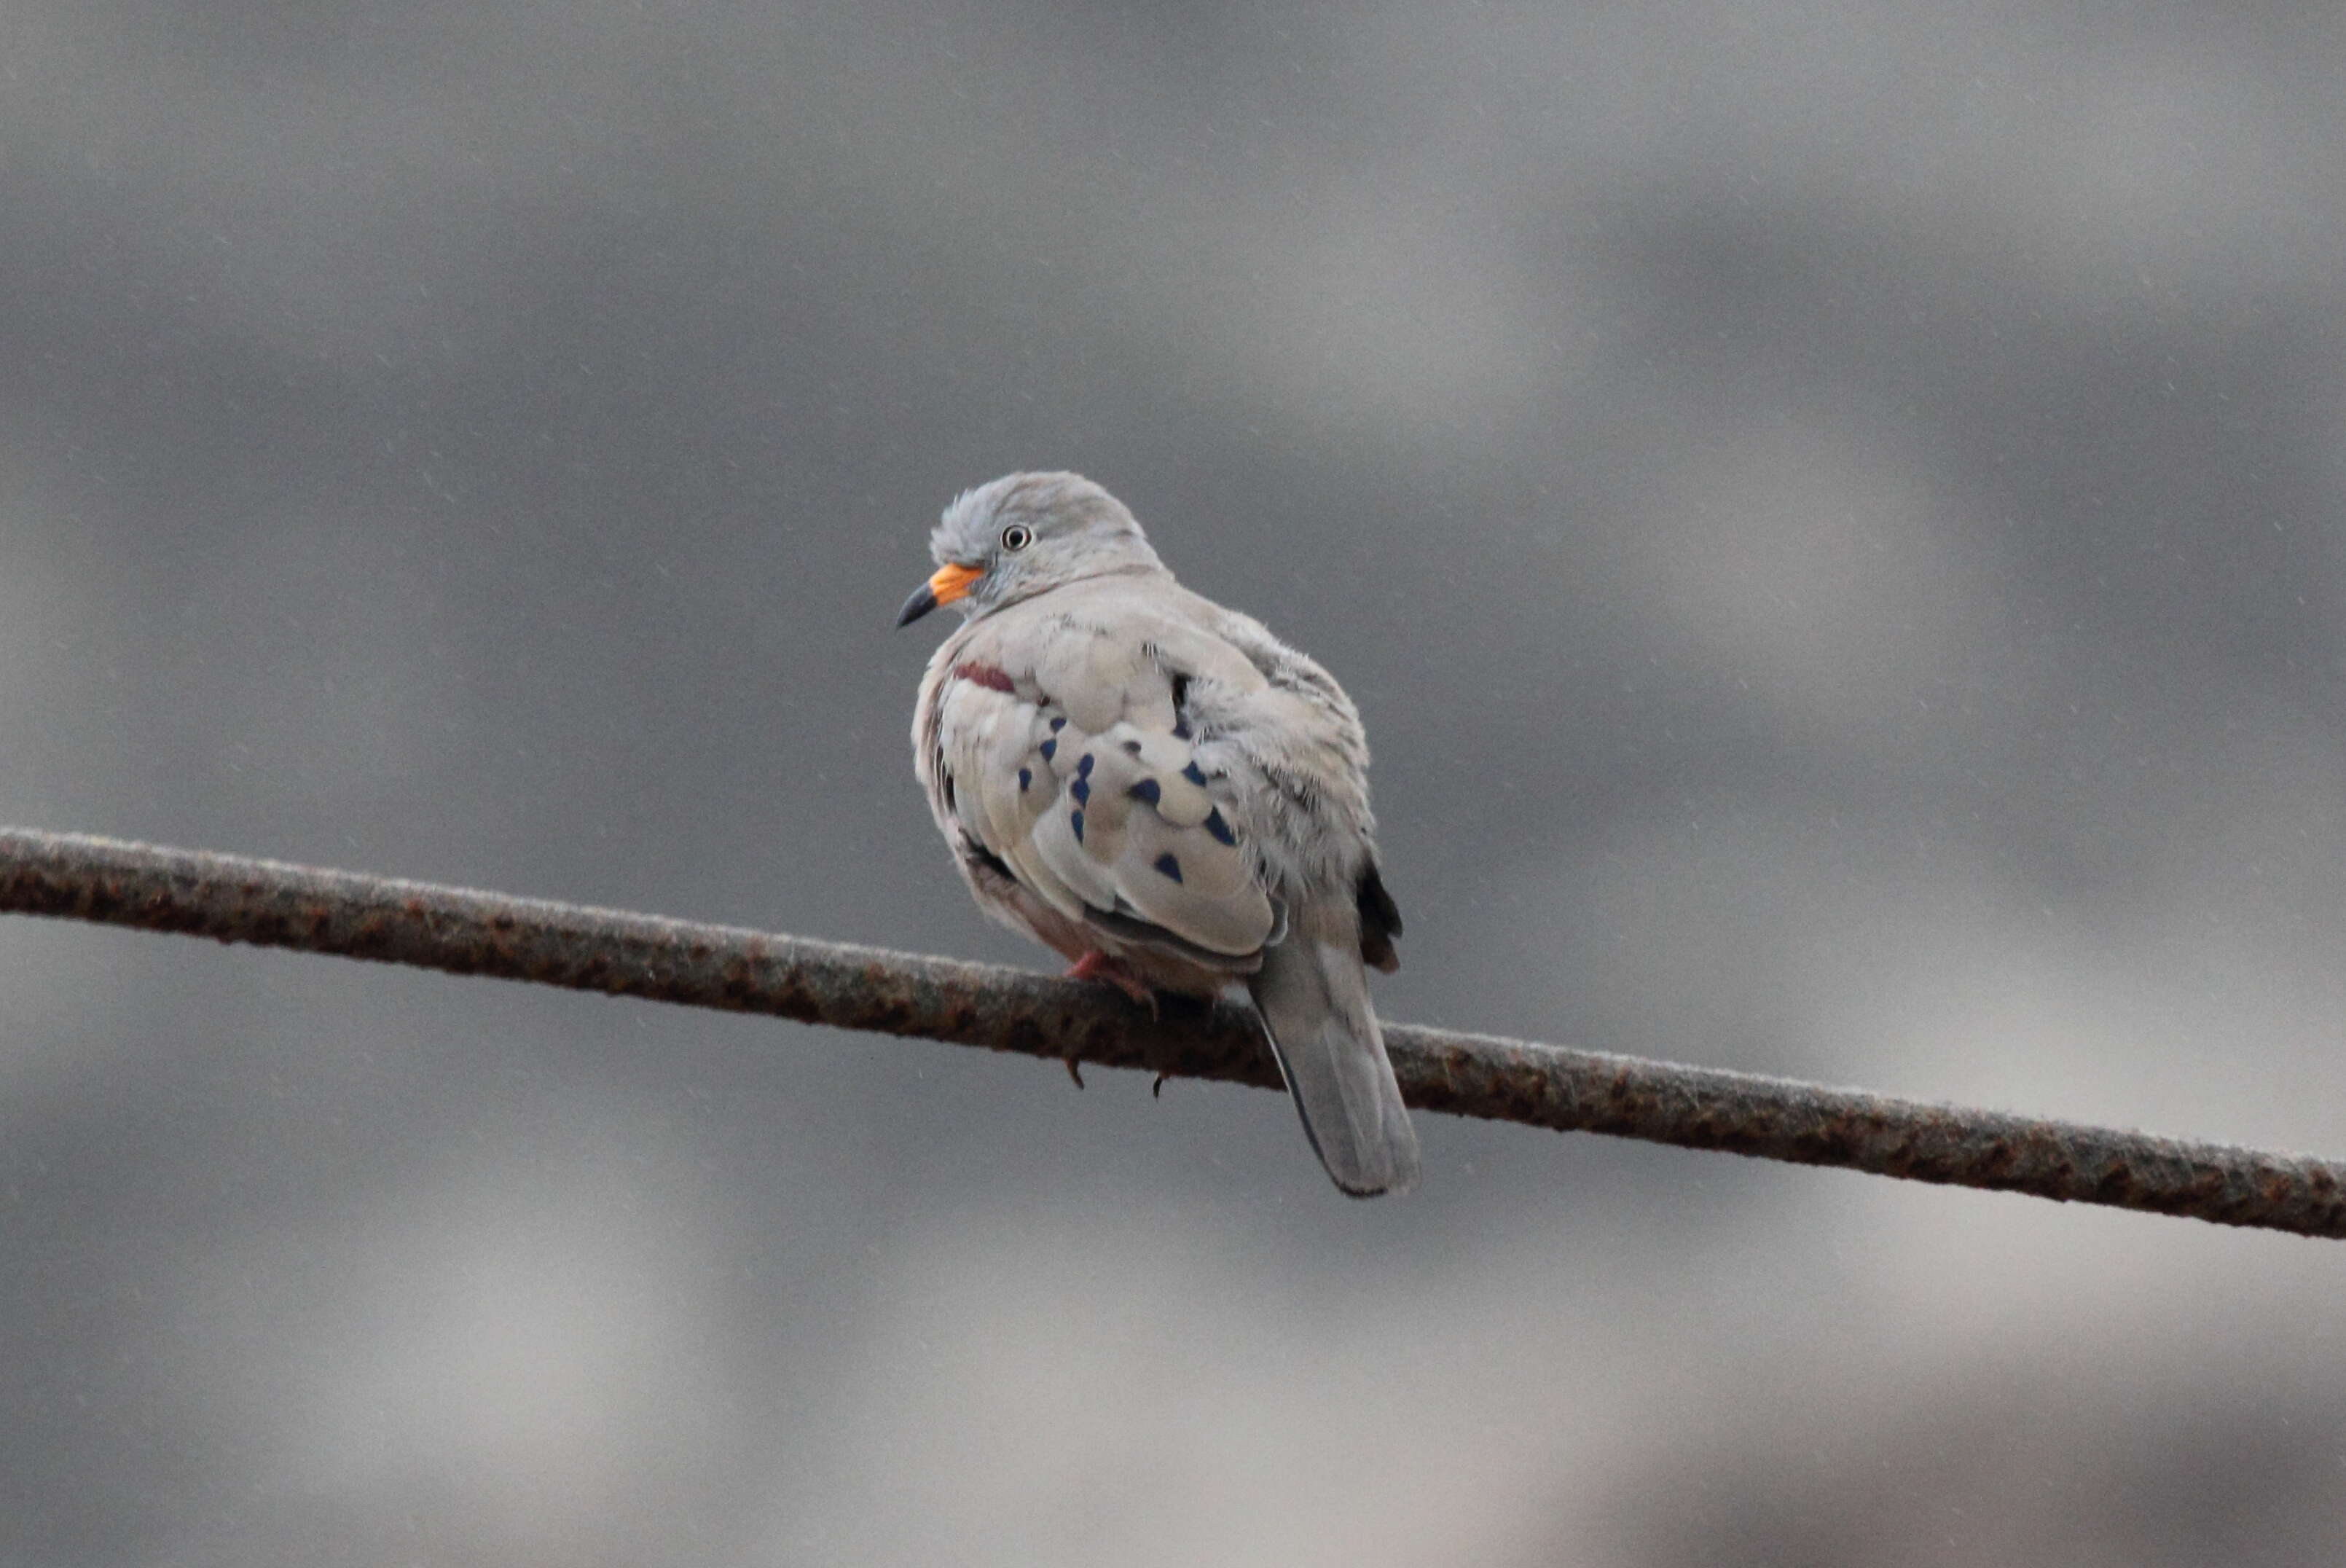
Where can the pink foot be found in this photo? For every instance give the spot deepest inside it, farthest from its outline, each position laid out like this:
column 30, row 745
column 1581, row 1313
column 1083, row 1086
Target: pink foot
column 1097, row 965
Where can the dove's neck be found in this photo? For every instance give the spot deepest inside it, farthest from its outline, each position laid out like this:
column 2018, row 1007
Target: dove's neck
column 1137, row 571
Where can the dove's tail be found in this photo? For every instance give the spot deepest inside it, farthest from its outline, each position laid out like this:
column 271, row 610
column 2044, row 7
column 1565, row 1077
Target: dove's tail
column 1313, row 995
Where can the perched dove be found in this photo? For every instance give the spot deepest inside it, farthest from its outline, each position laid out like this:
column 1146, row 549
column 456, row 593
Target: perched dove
column 1163, row 791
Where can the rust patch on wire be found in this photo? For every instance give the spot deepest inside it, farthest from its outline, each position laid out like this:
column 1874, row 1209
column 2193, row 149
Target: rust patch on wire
column 232, row 899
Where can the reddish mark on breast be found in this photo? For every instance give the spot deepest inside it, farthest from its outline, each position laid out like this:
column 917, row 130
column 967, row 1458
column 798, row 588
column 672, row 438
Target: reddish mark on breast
column 991, row 677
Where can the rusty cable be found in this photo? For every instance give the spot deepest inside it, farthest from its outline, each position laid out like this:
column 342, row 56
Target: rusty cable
column 269, row 904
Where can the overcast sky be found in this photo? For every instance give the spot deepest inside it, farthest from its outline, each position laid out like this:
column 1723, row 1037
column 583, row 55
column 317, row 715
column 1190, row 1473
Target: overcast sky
column 1834, row 515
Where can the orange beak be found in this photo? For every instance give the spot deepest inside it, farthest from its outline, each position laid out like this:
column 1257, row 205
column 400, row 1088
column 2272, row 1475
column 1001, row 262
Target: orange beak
column 947, row 584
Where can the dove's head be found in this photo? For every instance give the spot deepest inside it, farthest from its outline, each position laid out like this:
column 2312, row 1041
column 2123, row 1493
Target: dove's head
column 1023, row 534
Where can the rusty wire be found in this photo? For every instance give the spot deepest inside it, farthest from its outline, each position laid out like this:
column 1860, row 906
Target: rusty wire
column 273, row 904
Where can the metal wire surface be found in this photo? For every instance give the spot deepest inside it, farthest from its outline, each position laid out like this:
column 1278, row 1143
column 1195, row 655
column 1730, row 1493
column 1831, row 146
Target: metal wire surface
column 234, row 899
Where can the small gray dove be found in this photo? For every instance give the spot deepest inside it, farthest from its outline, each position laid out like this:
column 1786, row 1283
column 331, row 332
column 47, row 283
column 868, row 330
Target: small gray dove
column 1163, row 791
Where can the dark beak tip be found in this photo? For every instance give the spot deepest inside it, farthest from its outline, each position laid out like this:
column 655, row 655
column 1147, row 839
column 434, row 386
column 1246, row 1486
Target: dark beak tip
column 923, row 600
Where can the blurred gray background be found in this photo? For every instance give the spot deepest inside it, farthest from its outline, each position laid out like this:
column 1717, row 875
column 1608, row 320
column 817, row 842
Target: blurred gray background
column 1835, row 516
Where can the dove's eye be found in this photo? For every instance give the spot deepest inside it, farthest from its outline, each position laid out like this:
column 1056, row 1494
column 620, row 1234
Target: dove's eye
column 1017, row 536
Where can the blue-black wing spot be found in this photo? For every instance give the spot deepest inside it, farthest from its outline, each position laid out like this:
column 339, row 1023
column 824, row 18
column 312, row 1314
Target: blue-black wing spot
column 1081, row 790
column 1058, row 724
column 1145, row 790
column 1194, row 775
column 1169, row 866
column 1083, row 768
column 1075, row 821
column 1049, row 747
column 1025, row 778
column 1219, row 827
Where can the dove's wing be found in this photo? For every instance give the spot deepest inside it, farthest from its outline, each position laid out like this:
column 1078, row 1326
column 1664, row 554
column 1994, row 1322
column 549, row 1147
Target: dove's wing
column 1057, row 747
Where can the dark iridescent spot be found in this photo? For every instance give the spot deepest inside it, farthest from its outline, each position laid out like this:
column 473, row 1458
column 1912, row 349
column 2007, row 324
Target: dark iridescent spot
column 1145, row 790
column 1083, row 768
column 1081, row 790
column 1057, row 725
column 1169, row 866
column 1024, row 779
column 1194, row 774
column 1220, row 828
column 1075, row 821
column 1049, row 747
